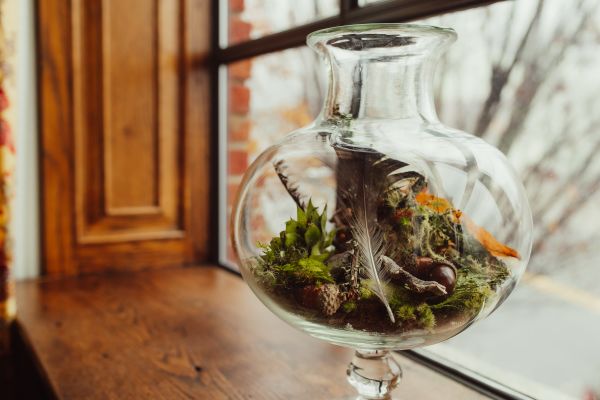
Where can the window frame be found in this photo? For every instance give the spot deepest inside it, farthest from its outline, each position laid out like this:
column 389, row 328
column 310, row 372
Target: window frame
column 350, row 13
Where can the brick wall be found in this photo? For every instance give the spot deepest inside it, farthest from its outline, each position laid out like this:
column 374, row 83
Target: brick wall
column 238, row 122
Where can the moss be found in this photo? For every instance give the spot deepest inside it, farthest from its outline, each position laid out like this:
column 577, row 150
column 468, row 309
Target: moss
column 305, row 271
column 406, row 312
column 366, row 293
column 421, row 314
column 470, row 294
column 425, row 316
column 349, row 306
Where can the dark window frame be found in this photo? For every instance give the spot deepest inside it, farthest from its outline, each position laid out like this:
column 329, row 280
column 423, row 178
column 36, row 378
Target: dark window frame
column 350, row 13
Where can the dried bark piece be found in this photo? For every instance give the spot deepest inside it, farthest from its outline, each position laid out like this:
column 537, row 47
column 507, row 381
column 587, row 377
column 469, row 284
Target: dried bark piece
column 412, row 283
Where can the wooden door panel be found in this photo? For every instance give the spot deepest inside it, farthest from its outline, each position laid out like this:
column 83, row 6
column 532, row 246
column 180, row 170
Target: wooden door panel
column 128, row 135
column 123, row 81
column 130, row 82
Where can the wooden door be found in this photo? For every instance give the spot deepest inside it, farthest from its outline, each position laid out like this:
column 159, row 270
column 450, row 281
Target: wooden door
column 124, row 106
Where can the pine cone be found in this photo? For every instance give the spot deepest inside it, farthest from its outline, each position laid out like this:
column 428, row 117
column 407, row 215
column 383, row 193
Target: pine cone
column 329, row 298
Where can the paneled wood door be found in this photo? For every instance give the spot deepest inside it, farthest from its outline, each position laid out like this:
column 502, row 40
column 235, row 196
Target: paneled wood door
column 124, row 120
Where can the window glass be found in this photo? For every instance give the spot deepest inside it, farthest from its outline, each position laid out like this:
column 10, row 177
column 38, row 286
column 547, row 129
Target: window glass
column 251, row 19
column 269, row 96
column 524, row 76
column 367, row 2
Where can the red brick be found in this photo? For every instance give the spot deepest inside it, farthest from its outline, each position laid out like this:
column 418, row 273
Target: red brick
column 239, row 30
column 238, row 162
column 231, row 256
column 232, row 189
column 236, row 6
column 239, row 129
column 257, row 224
column 239, row 98
column 241, row 69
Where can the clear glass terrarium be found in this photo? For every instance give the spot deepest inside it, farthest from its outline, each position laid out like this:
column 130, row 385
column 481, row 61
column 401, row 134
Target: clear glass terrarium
column 377, row 227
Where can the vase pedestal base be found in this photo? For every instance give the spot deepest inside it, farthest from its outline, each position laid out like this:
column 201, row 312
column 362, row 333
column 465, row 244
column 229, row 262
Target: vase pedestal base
column 374, row 374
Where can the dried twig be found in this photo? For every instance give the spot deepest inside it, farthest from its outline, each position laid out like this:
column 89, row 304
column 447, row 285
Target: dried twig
column 291, row 188
column 412, row 282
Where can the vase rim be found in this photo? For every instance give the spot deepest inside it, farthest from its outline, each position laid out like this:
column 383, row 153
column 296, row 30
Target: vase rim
column 398, row 30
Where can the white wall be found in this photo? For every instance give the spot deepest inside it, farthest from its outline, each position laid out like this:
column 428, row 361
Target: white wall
column 18, row 21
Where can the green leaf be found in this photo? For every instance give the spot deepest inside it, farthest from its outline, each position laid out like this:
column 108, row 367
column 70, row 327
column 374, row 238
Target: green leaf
column 329, row 239
column 291, row 226
column 291, row 239
column 311, row 211
column 322, row 257
column 301, row 216
column 275, row 244
column 324, row 219
column 312, row 235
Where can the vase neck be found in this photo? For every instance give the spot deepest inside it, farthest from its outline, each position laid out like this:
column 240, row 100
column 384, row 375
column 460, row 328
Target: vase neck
column 381, row 71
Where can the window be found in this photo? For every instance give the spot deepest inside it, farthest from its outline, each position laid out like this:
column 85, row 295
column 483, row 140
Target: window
column 251, row 19
column 523, row 75
column 260, row 113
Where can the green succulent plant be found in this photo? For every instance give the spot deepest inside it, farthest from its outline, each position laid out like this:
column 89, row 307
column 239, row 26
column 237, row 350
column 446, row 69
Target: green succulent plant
column 297, row 256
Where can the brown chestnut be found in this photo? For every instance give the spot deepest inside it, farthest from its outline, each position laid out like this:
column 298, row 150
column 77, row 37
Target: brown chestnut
column 445, row 275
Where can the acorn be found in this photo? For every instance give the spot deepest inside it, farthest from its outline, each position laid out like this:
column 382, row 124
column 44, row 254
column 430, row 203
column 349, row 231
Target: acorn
column 444, row 274
column 419, row 267
column 423, row 265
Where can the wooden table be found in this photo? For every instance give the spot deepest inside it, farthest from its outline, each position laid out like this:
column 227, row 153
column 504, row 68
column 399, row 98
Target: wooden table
column 188, row 333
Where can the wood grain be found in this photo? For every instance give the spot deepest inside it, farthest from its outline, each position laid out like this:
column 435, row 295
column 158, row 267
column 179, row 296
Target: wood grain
column 185, row 333
column 119, row 117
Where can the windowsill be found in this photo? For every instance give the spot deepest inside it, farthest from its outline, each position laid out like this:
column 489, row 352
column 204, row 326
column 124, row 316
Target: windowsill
column 184, row 333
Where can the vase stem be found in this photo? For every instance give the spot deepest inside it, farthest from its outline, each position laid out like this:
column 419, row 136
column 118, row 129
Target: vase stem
column 374, row 374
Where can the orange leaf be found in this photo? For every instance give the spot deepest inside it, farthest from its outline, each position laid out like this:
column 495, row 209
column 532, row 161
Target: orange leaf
column 489, row 241
column 486, row 239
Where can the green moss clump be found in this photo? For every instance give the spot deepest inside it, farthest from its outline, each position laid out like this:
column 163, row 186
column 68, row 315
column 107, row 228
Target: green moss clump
column 476, row 282
column 349, row 306
column 405, row 309
column 303, row 272
column 425, row 316
column 419, row 314
column 365, row 292
column 471, row 292
column 406, row 312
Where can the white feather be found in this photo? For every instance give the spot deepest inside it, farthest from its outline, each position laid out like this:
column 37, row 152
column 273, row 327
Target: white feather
column 371, row 246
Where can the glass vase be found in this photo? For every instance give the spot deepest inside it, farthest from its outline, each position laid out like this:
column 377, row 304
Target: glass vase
column 376, row 227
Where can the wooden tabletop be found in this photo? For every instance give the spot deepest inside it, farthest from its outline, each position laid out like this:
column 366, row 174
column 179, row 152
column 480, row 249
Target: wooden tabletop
column 187, row 333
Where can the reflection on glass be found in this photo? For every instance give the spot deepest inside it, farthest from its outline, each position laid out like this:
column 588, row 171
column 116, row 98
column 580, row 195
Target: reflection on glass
column 523, row 76
column 367, row 2
column 251, row 19
column 269, row 96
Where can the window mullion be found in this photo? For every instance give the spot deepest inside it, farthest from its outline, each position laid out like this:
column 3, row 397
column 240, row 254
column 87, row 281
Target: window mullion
column 347, row 6
column 350, row 13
